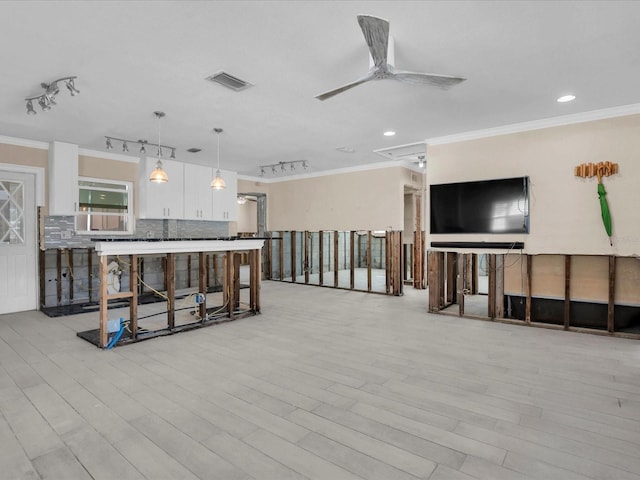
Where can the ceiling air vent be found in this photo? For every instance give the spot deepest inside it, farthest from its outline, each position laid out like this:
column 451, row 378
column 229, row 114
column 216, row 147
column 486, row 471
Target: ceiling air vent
column 409, row 152
column 229, row 81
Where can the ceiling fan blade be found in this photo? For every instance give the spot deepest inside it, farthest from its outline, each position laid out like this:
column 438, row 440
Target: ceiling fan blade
column 442, row 81
column 376, row 34
column 344, row 88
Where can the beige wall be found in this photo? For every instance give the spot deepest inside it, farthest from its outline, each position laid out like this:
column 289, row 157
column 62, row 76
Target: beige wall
column 107, row 169
column 589, row 278
column 564, row 211
column 248, row 217
column 28, row 156
column 363, row 200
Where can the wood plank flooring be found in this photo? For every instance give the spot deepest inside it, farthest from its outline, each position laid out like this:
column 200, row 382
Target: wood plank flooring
column 325, row 384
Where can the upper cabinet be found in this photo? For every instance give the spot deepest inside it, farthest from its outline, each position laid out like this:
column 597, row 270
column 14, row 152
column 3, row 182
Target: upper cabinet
column 198, row 196
column 63, row 178
column 225, row 202
column 161, row 200
column 188, row 194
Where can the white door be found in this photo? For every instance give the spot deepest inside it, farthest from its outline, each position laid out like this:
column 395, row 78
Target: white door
column 18, row 277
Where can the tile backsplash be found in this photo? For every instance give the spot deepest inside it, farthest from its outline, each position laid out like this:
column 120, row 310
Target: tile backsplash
column 59, row 231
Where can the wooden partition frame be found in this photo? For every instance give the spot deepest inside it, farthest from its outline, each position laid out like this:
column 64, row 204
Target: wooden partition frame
column 437, row 261
column 321, row 258
column 393, row 258
column 336, row 258
column 305, row 264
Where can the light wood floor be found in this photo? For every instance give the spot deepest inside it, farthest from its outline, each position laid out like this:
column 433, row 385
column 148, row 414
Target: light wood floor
column 325, row 384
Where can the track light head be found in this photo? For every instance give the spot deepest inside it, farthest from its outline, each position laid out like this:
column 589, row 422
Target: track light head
column 51, row 89
column 173, row 153
column 109, row 145
column 143, row 150
column 44, row 103
column 71, row 87
column 125, row 147
column 30, row 109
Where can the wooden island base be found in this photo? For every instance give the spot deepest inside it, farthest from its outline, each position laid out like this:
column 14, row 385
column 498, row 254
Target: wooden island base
column 231, row 250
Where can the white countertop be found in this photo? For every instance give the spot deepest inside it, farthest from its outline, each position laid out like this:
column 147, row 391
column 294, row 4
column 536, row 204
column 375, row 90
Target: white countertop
column 176, row 246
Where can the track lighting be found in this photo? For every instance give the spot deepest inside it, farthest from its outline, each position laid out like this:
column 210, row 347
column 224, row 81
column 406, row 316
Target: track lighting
column 421, row 161
column 218, row 183
column 158, row 175
column 47, row 98
column 283, row 167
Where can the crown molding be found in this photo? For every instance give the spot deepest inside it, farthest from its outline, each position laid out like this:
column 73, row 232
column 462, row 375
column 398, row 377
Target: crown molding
column 591, row 116
column 23, row 142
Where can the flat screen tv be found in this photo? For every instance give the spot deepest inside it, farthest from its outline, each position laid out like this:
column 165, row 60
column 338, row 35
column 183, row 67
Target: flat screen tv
column 488, row 206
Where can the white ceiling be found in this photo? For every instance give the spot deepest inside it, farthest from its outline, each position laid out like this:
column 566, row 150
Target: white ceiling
column 133, row 58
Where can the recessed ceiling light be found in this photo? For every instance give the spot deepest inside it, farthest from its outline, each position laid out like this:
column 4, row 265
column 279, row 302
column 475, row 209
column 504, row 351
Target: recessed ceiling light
column 389, row 133
column 566, row 98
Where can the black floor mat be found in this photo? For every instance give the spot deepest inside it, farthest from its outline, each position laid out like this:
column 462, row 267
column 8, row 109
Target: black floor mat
column 77, row 308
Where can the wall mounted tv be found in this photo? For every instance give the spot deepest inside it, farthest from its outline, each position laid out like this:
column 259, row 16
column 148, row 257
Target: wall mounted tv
column 488, row 206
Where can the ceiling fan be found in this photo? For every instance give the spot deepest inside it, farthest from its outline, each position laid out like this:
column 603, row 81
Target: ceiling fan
column 376, row 34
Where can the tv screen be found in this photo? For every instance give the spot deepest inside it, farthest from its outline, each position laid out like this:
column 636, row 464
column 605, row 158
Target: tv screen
column 488, row 206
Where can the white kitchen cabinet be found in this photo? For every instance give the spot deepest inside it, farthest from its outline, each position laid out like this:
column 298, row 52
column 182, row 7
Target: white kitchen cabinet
column 63, row 178
column 161, row 200
column 225, row 202
column 198, row 194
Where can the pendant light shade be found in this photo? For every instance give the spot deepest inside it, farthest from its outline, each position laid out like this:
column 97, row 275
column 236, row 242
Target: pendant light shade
column 218, row 183
column 159, row 175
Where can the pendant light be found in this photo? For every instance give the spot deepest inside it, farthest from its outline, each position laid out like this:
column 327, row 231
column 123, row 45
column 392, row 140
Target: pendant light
column 218, row 182
column 159, row 175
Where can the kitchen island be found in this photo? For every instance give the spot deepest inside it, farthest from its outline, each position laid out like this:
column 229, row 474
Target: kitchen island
column 230, row 248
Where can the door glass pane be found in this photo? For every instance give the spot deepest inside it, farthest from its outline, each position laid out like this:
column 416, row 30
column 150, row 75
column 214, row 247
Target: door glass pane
column 12, row 213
